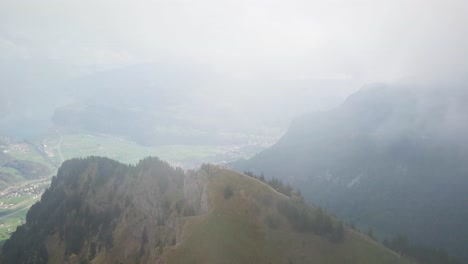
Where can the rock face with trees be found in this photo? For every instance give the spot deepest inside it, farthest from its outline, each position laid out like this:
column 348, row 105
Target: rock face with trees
column 94, row 207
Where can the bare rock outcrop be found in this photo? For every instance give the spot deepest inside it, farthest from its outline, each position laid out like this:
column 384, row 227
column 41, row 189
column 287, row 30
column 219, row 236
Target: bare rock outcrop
column 196, row 191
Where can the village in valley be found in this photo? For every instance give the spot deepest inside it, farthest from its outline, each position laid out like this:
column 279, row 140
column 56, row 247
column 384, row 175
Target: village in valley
column 15, row 202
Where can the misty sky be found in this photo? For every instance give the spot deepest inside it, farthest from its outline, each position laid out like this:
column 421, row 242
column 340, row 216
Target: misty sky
column 315, row 49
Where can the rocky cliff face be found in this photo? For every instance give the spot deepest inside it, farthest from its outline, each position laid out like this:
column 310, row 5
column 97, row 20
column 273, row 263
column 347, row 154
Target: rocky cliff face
column 196, row 191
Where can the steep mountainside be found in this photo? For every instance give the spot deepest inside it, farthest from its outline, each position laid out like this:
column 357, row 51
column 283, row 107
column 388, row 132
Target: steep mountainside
column 391, row 158
column 100, row 211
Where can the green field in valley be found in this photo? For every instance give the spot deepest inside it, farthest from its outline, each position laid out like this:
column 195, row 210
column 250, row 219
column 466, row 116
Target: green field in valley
column 187, row 156
column 13, row 213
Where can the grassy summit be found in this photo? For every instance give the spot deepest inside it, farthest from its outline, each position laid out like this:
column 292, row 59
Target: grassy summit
column 249, row 227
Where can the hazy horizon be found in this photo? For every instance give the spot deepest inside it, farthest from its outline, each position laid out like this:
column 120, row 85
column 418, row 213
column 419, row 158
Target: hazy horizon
column 297, row 56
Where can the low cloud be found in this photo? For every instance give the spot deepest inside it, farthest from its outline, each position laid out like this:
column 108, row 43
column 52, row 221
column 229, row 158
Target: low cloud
column 263, row 45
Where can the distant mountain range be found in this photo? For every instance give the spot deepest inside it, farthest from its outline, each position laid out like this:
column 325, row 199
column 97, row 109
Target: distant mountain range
column 394, row 159
column 145, row 103
column 157, row 103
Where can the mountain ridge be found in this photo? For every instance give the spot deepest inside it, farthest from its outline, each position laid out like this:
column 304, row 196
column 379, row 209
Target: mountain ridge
column 101, row 211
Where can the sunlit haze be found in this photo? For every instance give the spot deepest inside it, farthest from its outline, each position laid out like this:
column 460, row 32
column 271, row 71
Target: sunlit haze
column 308, row 55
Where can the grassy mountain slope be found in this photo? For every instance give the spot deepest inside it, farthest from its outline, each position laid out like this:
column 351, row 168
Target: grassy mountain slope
column 248, row 227
column 100, row 211
column 14, row 171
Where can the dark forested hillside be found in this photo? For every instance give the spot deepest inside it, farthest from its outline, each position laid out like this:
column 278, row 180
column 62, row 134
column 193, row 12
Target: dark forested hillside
column 92, row 209
column 391, row 158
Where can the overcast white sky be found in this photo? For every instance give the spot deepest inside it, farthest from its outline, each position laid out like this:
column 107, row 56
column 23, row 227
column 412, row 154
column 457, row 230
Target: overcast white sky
column 349, row 42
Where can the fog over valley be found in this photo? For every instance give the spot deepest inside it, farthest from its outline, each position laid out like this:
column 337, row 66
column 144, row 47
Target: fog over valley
column 271, row 60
